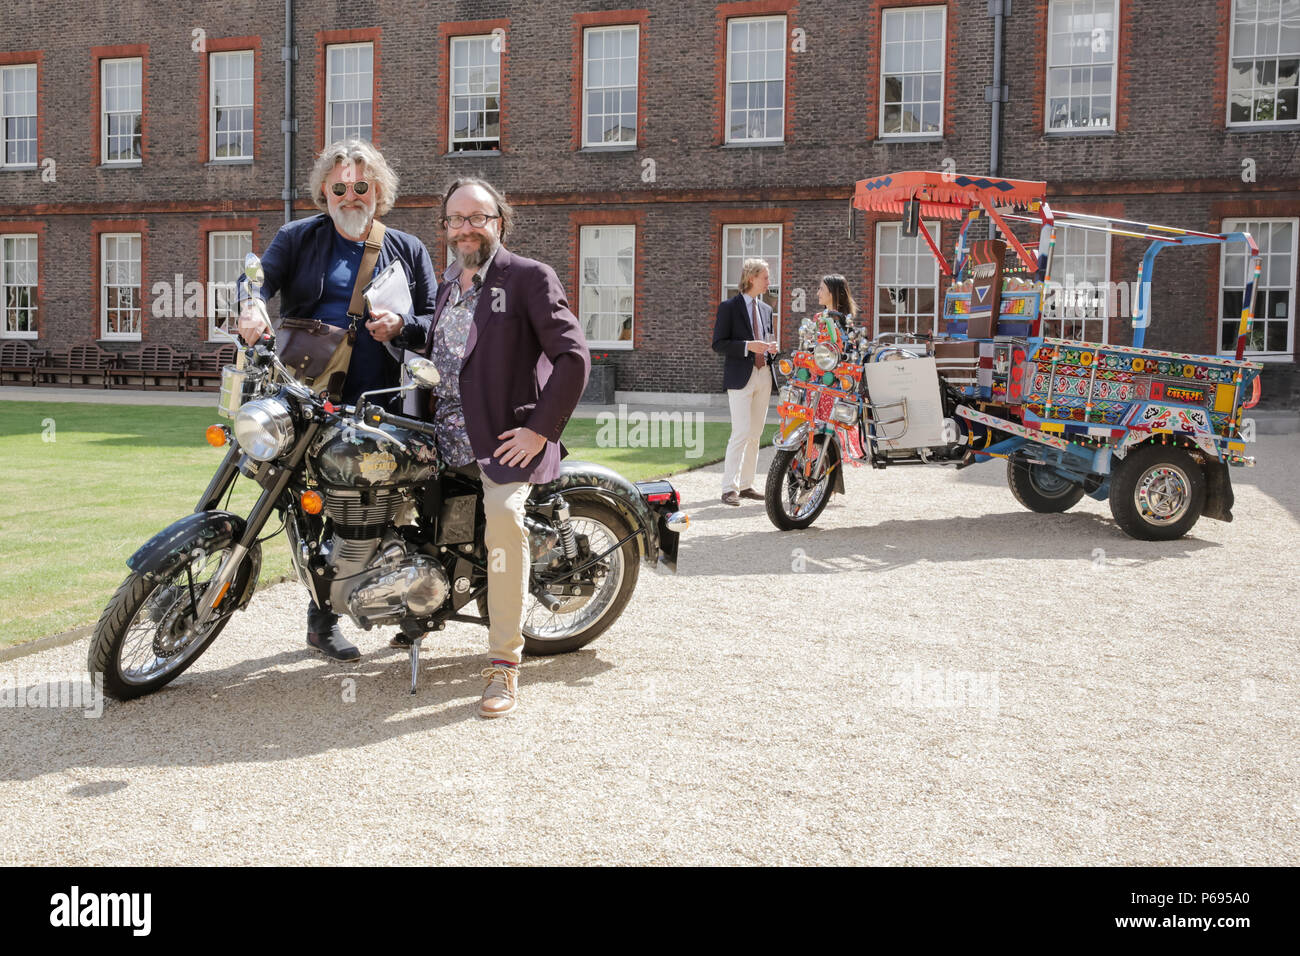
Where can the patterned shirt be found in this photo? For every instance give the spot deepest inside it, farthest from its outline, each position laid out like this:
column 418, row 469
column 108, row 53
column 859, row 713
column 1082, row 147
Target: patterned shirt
column 450, row 336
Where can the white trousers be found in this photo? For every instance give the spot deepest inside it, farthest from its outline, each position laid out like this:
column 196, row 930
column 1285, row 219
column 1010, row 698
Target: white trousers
column 748, row 415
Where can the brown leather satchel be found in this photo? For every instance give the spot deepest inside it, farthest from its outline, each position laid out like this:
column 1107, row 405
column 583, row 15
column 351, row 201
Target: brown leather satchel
column 318, row 354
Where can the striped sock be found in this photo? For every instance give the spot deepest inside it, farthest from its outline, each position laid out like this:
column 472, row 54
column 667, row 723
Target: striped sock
column 511, row 664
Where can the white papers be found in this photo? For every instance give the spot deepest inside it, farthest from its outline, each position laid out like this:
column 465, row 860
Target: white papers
column 915, row 382
column 389, row 291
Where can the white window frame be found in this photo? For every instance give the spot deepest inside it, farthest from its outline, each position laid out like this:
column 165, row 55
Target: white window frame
column 334, row 132
column 215, row 285
column 212, row 104
column 104, row 286
column 104, row 112
column 1266, row 283
column 886, row 14
column 491, row 47
column 1054, row 5
column 616, row 287
column 1056, row 322
column 730, row 81
column 617, row 89
column 5, row 94
column 921, row 255
column 773, row 296
column 5, row 285
column 1232, row 45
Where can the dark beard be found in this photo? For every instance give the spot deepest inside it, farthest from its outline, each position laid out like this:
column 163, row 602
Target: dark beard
column 475, row 257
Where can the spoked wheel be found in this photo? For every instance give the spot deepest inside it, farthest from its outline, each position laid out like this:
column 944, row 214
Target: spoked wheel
column 792, row 500
column 1040, row 489
column 146, row 638
column 1157, row 493
column 578, row 620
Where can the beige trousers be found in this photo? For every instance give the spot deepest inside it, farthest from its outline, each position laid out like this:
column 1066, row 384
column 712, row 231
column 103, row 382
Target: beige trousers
column 507, row 547
column 748, row 415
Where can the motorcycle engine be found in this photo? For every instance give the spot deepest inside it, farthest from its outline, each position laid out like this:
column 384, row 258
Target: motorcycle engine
column 398, row 582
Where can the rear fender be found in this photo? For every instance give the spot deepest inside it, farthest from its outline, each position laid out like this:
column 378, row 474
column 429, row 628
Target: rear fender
column 585, row 478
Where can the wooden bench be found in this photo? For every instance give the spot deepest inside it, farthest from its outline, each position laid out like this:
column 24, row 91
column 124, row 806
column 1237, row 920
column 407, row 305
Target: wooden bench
column 208, row 365
column 78, row 361
column 20, row 359
column 152, row 362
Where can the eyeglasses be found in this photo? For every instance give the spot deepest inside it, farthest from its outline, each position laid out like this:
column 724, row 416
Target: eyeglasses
column 478, row 220
column 360, row 188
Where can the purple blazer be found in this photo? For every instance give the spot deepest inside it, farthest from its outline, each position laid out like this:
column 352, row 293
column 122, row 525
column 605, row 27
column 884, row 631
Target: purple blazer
column 526, row 363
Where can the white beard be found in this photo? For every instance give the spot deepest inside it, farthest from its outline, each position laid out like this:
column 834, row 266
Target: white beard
column 354, row 222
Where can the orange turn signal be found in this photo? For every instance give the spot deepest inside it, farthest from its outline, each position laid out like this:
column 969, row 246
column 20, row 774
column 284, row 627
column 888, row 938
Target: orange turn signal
column 311, row 502
column 216, row 435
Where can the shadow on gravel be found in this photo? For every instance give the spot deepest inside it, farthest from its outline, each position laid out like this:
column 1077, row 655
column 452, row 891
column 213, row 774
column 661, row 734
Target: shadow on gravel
column 268, row 709
column 898, row 543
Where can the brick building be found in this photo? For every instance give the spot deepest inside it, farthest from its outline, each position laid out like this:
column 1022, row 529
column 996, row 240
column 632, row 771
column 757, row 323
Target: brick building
column 648, row 149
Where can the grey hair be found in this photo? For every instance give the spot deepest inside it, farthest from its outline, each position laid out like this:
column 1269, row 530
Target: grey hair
column 749, row 270
column 355, row 151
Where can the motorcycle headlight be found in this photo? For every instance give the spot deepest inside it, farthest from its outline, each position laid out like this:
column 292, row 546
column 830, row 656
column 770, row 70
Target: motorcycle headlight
column 264, row 429
column 784, row 395
column 846, row 413
column 826, row 356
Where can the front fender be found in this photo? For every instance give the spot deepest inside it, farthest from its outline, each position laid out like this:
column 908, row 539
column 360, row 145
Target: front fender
column 620, row 494
column 170, row 548
column 791, row 440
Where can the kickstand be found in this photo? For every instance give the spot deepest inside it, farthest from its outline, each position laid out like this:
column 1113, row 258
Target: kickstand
column 415, row 662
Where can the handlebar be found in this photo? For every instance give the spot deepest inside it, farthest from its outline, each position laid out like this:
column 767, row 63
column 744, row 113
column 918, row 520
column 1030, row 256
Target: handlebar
column 375, row 414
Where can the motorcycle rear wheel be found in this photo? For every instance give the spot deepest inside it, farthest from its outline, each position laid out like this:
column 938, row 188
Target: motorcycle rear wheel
column 791, row 503
column 144, row 640
column 579, row 621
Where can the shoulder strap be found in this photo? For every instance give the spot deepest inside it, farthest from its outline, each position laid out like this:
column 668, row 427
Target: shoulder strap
column 366, row 271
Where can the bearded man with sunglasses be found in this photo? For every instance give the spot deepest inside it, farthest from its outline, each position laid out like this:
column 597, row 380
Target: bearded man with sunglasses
column 313, row 265
column 513, row 363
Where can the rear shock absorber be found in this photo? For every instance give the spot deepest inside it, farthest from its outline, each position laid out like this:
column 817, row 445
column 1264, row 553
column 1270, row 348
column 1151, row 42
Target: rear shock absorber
column 567, row 540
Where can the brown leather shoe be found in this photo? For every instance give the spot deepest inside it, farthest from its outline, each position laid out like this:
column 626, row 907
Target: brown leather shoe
column 502, row 691
column 751, row 494
column 731, row 498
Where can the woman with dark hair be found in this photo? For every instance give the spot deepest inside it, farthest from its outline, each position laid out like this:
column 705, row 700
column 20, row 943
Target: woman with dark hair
column 833, row 295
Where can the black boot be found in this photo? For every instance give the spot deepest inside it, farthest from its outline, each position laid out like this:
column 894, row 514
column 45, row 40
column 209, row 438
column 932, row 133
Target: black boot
column 323, row 634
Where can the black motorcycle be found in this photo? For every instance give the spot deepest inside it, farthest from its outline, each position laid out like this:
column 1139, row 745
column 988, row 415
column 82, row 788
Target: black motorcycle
column 378, row 529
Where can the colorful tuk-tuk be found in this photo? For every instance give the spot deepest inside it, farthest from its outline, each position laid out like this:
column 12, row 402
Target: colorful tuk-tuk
column 1152, row 431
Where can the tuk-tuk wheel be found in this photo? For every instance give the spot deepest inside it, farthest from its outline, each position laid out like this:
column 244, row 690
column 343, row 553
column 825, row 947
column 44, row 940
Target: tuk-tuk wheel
column 1157, row 493
column 1040, row 489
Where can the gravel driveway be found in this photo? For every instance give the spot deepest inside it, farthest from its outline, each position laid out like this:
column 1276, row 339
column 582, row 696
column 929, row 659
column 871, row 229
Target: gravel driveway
column 929, row 675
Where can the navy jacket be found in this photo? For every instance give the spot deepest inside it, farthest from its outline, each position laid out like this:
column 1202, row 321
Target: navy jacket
column 297, row 258
column 731, row 330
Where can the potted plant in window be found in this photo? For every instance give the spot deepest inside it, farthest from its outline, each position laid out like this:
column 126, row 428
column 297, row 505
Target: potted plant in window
column 601, row 383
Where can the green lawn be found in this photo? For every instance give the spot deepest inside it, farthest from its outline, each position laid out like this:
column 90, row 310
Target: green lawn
column 74, row 508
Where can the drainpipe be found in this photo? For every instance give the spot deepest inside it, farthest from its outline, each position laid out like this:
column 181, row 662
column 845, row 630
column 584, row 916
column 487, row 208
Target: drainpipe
column 289, row 124
column 998, row 93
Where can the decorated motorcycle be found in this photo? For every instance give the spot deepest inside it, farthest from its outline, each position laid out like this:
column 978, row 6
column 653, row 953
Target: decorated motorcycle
column 1153, row 432
column 378, row 530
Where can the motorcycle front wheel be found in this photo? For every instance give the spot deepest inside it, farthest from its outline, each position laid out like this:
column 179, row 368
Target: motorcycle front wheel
column 577, row 621
column 145, row 638
column 792, row 501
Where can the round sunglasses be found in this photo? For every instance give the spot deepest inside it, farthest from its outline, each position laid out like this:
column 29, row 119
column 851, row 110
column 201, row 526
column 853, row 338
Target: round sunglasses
column 360, row 188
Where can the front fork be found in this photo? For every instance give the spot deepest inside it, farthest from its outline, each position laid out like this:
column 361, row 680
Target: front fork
column 274, row 478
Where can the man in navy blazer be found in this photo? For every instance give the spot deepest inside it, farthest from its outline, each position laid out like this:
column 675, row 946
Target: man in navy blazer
column 513, row 362
column 743, row 334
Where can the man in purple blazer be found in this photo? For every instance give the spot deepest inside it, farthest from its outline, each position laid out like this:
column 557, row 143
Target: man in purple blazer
column 513, row 363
